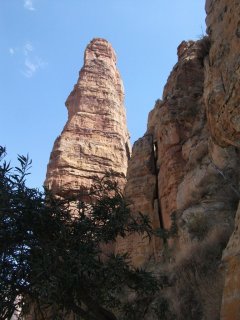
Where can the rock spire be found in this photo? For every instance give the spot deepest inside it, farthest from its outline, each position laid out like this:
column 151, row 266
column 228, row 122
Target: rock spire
column 95, row 138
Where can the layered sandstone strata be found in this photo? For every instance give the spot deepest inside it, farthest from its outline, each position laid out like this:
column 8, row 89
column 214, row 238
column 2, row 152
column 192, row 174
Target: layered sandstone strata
column 95, row 138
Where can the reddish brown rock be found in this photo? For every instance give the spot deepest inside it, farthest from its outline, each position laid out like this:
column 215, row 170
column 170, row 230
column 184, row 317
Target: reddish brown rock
column 95, row 138
column 159, row 159
column 178, row 126
column 231, row 258
column 222, row 97
column 222, row 83
column 141, row 191
column 193, row 176
column 194, row 144
column 187, row 163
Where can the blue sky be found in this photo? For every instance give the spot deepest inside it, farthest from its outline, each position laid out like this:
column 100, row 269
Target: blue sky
column 42, row 46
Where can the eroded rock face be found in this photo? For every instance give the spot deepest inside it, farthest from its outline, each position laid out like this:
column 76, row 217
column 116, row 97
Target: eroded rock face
column 159, row 159
column 178, row 119
column 178, row 168
column 141, row 191
column 187, row 163
column 223, row 71
column 231, row 257
column 222, row 97
column 95, row 138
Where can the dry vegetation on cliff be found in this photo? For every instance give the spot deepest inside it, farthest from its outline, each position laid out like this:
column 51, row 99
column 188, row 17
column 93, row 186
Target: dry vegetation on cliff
column 198, row 277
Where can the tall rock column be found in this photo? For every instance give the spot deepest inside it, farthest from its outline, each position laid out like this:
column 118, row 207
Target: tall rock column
column 95, row 138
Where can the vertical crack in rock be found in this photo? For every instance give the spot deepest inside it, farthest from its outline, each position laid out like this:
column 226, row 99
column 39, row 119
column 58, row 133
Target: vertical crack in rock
column 188, row 160
column 95, row 138
column 140, row 192
column 184, row 167
column 156, row 197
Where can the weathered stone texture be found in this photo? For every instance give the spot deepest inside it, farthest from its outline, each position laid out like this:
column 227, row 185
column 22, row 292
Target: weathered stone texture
column 157, row 164
column 222, row 85
column 95, row 137
column 194, row 172
column 140, row 191
column 179, row 118
column 222, row 97
column 194, row 176
column 231, row 257
column 187, row 163
column 194, row 145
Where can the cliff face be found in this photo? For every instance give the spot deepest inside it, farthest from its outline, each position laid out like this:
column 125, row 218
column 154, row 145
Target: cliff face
column 177, row 125
column 178, row 168
column 223, row 71
column 187, row 163
column 141, row 191
column 222, row 96
column 95, row 137
column 231, row 294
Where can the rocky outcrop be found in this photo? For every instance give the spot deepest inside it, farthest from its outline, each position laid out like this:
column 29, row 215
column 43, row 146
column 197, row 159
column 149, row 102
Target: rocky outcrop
column 186, row 165
column 222, row 88
column 141, row 191
column 222, row 84
column 177, row 168
column 95, row 138
column 231, row 258
column 175, row 122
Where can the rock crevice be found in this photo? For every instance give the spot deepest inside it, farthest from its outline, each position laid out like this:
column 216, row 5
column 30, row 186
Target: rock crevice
column 186, row 164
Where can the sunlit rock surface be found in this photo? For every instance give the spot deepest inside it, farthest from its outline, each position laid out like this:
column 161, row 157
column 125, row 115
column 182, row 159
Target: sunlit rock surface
column 95, row 138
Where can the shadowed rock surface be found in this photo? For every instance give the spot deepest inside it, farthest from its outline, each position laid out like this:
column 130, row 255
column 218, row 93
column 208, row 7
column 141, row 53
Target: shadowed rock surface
column 222, row 96
column 177, row 167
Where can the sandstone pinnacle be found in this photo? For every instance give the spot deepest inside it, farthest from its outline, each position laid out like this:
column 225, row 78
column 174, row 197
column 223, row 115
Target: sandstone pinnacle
column 95, row 138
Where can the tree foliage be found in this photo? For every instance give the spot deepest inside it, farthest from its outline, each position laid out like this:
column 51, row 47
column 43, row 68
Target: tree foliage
column 53, row 263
